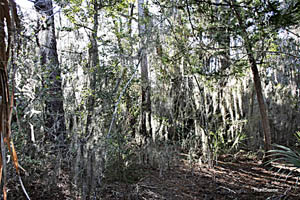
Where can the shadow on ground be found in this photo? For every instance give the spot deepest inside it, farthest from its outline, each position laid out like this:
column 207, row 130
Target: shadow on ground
column 237, row 179
column 242, row 179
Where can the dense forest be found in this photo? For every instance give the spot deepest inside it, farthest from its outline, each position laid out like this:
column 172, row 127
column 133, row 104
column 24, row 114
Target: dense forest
column 149, row 99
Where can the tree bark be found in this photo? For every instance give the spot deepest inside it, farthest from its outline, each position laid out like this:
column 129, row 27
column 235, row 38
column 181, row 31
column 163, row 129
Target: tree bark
column 9, row 23
column 262, row 106
column 146, row 128
column 93, row 65
column 52, row 81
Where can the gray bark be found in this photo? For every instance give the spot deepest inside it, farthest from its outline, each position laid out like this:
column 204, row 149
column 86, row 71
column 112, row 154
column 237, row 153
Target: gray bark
column 52, row 81
column 93, row 66
column 146, row 128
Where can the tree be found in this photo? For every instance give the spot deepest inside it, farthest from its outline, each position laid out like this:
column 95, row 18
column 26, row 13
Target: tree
column 258, row 38
column 94, row 64
column 9, row 24
column 52, row 80
column 248, row 42
column 231, row 20
column 146, row 129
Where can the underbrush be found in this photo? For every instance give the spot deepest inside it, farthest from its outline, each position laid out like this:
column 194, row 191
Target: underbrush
column 85, row 171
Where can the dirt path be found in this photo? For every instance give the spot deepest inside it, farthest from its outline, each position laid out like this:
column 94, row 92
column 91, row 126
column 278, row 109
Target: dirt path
column 240, row 180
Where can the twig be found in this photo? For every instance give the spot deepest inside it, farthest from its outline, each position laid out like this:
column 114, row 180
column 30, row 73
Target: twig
column 147, row 186
column 229, row 190
column 23, row 188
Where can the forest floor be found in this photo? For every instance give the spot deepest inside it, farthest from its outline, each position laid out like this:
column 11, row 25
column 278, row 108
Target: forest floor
column 240, row 178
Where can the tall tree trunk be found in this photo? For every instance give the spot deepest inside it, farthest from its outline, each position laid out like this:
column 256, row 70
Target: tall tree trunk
column 5, row 33
column 146, row 128
column 129, row 101
column 257, row 83
column 52, row 81
column 261, row 103
column 93, row 67
column 9, row 23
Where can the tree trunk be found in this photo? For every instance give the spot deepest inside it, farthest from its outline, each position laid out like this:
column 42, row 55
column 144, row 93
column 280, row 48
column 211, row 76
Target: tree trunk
column 262, row 107
column 257, row 83
column 93, row 65
column 146, row 128
column 9, row 23
column 52, row 81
